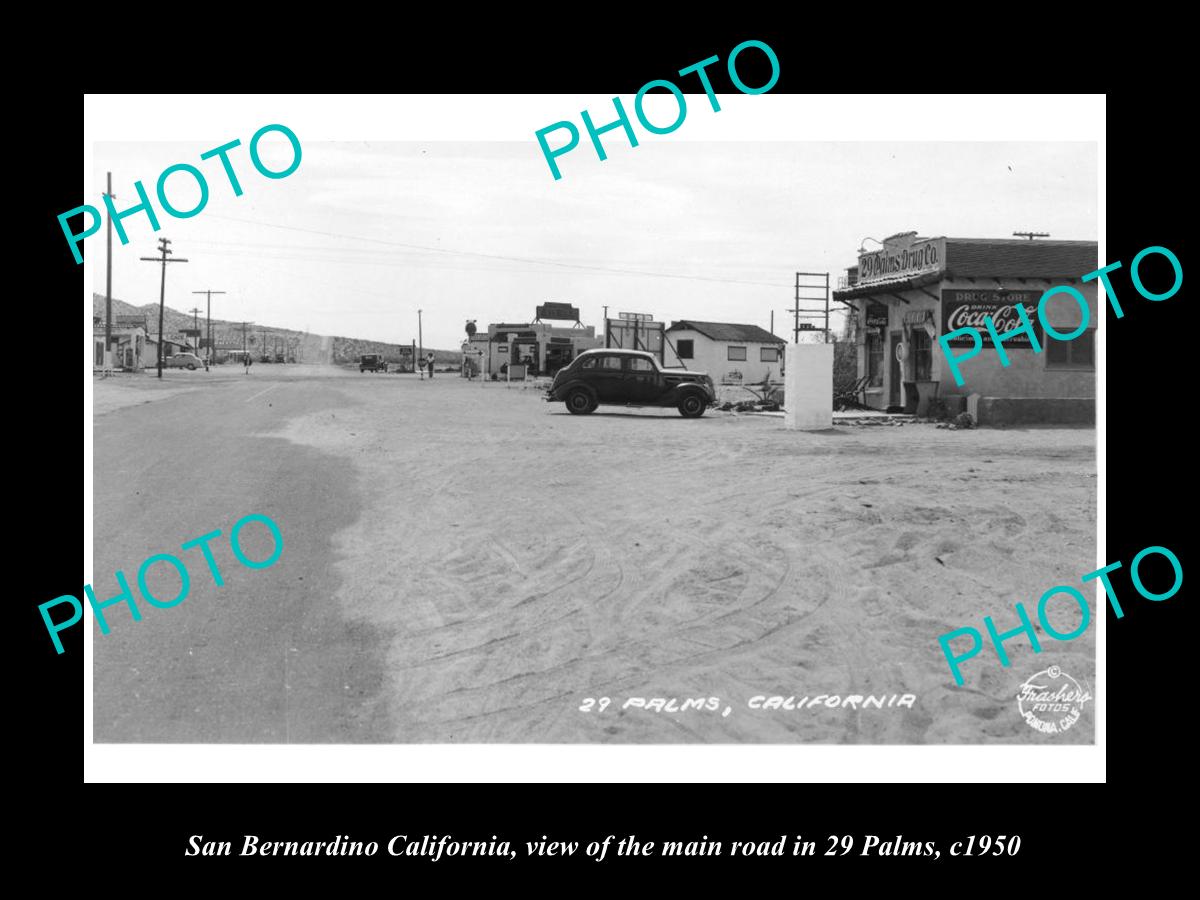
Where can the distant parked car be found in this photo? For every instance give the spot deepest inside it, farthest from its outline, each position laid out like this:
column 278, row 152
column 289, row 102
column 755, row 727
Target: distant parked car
column 629, row 378
column 184, row 361
column 372, row 362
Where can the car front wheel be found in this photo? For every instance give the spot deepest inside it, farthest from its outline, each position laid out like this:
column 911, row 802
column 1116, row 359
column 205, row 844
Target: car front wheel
column 691, row 407
column 580, row 402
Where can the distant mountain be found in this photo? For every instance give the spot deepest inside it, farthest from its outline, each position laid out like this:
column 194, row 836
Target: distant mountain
column 310, row 347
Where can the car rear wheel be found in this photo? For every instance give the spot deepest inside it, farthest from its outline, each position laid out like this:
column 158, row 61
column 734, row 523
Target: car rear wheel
column 580, row 402
column 691, row 406
column 191, row 367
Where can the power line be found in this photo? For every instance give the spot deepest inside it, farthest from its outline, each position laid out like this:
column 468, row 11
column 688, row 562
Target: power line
column 522, row 259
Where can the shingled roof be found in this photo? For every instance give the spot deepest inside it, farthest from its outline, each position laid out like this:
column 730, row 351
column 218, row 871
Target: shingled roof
column 1005, row 258
column 727, row 331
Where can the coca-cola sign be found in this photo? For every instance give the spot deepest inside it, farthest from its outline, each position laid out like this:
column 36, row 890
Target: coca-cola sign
column 968, row 309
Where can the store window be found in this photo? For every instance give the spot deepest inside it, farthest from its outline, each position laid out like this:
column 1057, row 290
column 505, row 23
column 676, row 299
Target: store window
column 875, row 358
column 922, row 353
column 686, row 349
column 1077, row 354
column 768, row 354
column 738, row 354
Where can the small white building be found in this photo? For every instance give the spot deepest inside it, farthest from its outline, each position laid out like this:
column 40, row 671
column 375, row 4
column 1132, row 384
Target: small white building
column 171, row 346
column 729, row 353
column 129, row 348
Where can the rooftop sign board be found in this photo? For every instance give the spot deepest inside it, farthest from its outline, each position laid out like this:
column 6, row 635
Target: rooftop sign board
column 896, row 262
column 561, row 311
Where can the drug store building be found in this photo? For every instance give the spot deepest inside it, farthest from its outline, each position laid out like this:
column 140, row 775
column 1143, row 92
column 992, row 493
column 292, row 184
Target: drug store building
column 902, row 297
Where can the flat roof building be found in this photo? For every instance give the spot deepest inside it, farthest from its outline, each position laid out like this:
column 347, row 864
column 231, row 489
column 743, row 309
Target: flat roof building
column 903, row 297
column 542, row 348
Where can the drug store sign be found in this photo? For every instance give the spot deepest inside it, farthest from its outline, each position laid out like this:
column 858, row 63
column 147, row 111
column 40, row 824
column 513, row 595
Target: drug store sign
column 968, row 309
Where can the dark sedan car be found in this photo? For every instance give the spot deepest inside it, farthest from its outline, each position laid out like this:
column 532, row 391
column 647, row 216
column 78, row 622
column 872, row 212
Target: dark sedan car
column 629, row 378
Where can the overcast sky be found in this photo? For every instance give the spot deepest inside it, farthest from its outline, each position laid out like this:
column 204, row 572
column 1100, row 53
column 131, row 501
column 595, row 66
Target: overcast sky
column 363, row 235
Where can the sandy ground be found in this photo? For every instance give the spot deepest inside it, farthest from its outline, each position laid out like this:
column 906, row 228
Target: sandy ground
column 525, row 560
column 519, row 561
column 124, row 389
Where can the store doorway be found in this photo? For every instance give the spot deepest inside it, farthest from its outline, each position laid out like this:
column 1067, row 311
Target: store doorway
column 894, row 341
column 558, row 355
column 525, row 353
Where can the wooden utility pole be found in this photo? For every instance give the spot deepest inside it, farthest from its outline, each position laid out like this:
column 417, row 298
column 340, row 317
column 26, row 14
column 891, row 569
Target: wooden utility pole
column 208, row 326
column 195, row 327
column 1031, row 234
column 163, row 243
column 108, row 282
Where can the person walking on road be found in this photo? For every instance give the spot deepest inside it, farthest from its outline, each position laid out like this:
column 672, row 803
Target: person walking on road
column 248, row 362
column 429, row 362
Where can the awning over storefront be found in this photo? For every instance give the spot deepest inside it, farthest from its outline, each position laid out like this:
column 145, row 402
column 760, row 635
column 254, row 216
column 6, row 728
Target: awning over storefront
column 887, row 289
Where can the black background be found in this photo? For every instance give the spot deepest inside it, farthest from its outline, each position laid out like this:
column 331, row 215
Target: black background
column 1148, row 430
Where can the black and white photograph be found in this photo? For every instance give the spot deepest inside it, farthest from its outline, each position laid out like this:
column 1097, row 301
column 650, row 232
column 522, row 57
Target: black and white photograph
column 417, row 443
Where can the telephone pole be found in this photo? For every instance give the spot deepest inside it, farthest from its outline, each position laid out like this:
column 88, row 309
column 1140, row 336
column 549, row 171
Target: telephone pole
column 163, row 243
column 108, row 280
column 208, row 327
column 420, row 337
column 1031, row 234
column 196, row 326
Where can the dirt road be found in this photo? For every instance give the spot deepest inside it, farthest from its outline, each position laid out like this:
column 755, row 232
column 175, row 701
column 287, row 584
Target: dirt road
column 494, row 562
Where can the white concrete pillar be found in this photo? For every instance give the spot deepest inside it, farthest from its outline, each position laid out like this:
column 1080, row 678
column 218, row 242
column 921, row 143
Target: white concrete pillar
column 808, row 387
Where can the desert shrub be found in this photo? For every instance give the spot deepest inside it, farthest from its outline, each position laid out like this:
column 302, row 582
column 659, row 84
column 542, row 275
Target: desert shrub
column 964, row 420
column 845, row 366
